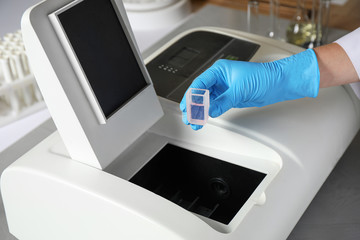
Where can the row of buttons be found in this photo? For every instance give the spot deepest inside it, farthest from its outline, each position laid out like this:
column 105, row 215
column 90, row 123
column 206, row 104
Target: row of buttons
column 167, row 68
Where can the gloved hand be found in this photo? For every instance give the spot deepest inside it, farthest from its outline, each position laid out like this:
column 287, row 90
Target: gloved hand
column 237, row 84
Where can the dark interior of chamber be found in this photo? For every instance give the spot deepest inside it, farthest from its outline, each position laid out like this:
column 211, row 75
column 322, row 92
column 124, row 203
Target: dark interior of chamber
column 200, row 184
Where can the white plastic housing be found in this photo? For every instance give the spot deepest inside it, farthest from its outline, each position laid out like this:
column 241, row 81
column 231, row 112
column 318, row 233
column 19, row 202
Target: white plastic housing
column 71, row 200
column 75, row 116
column 47, row 195
column 151, row 16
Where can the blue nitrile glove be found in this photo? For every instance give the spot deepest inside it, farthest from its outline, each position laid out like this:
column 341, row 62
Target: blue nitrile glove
column 247, row 84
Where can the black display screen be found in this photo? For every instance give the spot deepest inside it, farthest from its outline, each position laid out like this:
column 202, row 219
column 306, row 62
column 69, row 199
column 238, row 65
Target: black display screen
column 184, row 56
column 102, row 48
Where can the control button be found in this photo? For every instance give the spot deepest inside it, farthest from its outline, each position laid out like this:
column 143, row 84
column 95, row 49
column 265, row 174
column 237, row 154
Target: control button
column 168, row 68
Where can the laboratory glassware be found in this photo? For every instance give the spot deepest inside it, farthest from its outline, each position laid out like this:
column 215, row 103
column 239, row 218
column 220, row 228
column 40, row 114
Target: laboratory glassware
column 320, row 20
column 274, row 16
column 197, row 106
column 253, row 16
column 300, row 30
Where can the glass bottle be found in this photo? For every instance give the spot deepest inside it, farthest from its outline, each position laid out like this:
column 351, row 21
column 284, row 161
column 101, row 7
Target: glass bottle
column 253, row 16
column 322, row 8
column 274, row 16
column 300, row 31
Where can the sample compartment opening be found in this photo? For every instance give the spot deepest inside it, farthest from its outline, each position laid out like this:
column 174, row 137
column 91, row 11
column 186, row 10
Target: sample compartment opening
column 201, row 184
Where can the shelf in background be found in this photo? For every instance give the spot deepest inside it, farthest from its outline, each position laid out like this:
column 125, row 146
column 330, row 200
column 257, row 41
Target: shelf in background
column 345, row 16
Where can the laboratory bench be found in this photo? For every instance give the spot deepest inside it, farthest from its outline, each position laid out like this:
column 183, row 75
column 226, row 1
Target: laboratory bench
column 334, row 213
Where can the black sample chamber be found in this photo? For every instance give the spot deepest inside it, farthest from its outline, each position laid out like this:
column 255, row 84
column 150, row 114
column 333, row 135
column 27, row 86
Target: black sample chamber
column 201, row 184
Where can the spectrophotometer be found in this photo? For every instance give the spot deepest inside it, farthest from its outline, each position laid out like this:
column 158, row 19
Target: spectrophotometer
column 122, row 165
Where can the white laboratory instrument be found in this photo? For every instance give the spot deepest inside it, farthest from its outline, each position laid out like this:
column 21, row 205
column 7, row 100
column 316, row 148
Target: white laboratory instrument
column 150, row 15
column 147, row 5
column 109, row 173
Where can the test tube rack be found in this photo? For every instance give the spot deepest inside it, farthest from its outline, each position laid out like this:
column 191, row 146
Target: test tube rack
column 19, row 93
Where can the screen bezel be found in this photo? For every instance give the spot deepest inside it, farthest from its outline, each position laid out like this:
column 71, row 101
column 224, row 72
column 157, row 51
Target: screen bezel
column 85, row 139
column 54, row 18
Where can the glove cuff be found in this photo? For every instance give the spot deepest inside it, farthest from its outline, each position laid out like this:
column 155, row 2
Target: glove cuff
column 300, row 74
